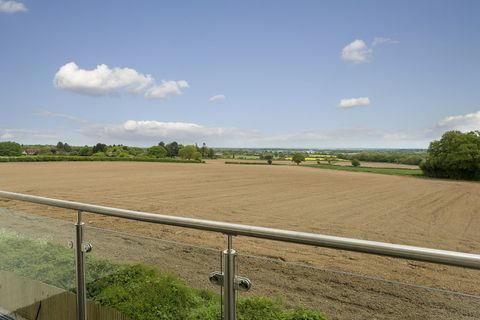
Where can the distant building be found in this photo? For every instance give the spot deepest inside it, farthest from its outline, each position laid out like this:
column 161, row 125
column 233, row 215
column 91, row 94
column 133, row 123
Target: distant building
column 30, row 152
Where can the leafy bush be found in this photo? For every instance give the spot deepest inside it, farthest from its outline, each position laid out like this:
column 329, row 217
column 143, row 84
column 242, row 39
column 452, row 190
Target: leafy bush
column 138, row 291
column 157, row 152
column 455, row 156
column 10, row 149
column 356, row 163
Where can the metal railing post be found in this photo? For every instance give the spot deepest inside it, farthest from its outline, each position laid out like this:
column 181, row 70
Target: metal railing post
column 80, row 269
column 229, row 306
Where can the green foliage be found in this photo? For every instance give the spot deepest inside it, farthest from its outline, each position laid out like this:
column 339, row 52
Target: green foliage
column 172, row 149
column 138, row 291
column 157, row 152
column 412, row 158
column 96, row 157
column 455, row 156
column 356, row 163
column 10, row 149
column 188, row 152
column 298, row 157
column 99, row 147
column 85, row 151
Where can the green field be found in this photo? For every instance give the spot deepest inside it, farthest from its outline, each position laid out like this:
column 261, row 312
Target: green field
column 391, row 171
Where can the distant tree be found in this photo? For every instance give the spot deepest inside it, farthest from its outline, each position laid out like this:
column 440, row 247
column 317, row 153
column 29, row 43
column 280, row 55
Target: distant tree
column 99, row 147
column 66, row 147
column 298, row 157
column 330, row 159
column 172, row 149
column 204, row 150
column 157, row 152
column 456, row 156
column 211, row 153
column 85, row 151
column 268, row 157
column 355, row 163
column 188, row 152
column 60, row 146
column 197, row 156
column 10, row 149
column 161, row 144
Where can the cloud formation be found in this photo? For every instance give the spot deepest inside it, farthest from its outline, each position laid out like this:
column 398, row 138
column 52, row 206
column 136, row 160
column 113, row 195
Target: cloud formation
column 217, row 97
column 467, row 122
column 12, row 6
column 359, row 52
column 166, row 88
column 7, row 136
column 151, row 130
column 354, row 102
column 49, row 114
column 105, row 81
column 356, row 51
column 380, row 40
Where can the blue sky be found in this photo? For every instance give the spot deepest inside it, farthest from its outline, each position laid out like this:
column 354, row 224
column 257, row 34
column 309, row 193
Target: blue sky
column 317, row 74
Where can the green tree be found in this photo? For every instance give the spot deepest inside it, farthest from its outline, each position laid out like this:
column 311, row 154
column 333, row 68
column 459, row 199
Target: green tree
column 85, row 151
column 172, row 149
column 10, row 149
column 456, row 156
column 100, row 147
column 298, row 157
column 188, row 152
column 157, row 152
column 211, row 153
column 356, row 163
column 269, row 158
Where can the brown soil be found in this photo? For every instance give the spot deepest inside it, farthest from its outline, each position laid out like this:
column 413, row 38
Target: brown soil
column 406, row 210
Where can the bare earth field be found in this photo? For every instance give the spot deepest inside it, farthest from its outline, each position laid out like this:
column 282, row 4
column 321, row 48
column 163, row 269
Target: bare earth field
column 433, row 213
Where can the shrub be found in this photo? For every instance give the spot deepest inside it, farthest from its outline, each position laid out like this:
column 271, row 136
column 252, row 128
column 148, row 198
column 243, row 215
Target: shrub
column 157, row 152
column 10, row 149
column 356, row 163
column 138, row 291
column 298, row 157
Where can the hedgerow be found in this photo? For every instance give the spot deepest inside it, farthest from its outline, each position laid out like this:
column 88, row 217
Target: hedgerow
column 42, row 158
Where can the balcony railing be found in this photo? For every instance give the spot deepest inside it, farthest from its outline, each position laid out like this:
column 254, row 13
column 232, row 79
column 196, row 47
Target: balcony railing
column 227, row 278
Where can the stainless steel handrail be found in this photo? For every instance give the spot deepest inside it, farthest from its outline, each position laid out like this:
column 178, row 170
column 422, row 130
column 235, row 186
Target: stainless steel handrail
column 453, row 258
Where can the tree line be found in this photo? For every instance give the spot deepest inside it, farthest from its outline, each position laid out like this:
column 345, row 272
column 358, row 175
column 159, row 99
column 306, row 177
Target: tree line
column 162, row 150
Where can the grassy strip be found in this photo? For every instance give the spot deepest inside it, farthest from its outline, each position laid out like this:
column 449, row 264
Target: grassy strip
column 255, row 163
column 391, row 171
column 91, row 158
column 138, row 291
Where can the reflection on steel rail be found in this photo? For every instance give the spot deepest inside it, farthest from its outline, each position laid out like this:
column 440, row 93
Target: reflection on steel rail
column 460, row 259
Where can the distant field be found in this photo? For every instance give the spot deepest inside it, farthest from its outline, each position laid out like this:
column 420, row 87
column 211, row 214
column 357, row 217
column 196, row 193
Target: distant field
column 383, row 170
column 426, row 212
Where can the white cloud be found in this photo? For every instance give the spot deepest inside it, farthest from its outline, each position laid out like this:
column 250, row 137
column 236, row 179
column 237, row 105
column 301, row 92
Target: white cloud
column 49, row 114
column 103, row 81
column 354, row 102
column 381, row 40
column 7, row 136
column 356, row 51
column 151, row 131
column 467, row 122
column 12, row 6
column 217, row 97
column 167, row 87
